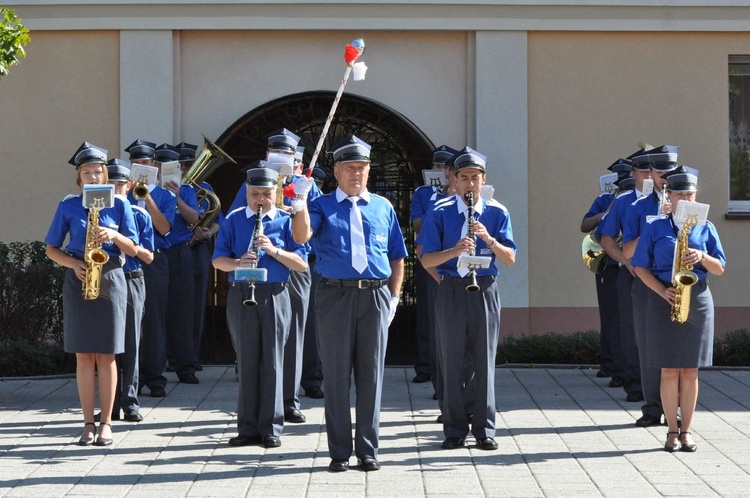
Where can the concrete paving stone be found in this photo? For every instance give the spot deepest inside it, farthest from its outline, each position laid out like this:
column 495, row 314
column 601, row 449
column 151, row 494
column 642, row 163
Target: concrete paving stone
column 681, row 489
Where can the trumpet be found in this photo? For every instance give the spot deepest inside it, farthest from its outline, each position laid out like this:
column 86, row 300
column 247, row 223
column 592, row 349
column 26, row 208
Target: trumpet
column 473, row 286
column 140, row 189
column 250, row 300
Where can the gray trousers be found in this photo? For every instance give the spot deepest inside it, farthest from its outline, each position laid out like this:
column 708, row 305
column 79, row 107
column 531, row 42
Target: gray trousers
column 631, row 365
column 425, row 289
column 153, row 351
column 312, row 368
column 299, row 292
column 468, row 325
column 650, row 376
column 610, row 352
column 353, row 336
column 258, row 334
column 201, row 267
column 180, row 309
column 127, row 362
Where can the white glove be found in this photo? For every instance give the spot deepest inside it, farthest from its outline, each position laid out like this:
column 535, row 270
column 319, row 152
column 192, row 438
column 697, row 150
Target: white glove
column 298, row 204
column 302, row 186
column 392, row 309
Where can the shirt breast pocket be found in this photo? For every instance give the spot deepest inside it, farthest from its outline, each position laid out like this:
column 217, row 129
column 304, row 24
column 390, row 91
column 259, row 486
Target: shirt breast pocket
column 378, row 237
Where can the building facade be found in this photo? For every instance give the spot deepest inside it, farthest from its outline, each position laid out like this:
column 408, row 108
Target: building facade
column 551, row 91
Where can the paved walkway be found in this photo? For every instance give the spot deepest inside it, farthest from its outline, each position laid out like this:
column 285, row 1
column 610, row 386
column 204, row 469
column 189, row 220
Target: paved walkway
column 561, row 432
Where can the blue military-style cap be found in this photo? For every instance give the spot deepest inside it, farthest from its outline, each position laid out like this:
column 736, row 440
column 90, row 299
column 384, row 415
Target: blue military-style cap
column 443, row 154
column 166, row 152
column 260, row 174
column 351, row 149
column 621, row 166
column 661, row 158
column 88, row 153
column 468, row 158
column 283, row 139
column 639, row 152
column 680, row 180
column 118, row 170
column 141, row 149
column 298, row 154
column 625, row 181
column 187, row 151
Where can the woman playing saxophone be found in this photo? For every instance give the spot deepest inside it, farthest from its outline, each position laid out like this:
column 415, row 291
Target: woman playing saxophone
column 679, row 349
column 94, row 329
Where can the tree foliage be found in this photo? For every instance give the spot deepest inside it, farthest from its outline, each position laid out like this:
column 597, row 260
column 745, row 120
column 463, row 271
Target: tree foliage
column 13, row 37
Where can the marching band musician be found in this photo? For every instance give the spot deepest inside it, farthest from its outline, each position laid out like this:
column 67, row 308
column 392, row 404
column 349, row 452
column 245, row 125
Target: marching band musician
column 422, row 202
column 610, row 354
column 609, row 229
column 94, row 329
column 282, row 147
column 360, row 256
column 661, row 160
column 181, row 288
column 127, row 363
column 161, row 206
column 678, row 349
column 201, row 254
column 468, row 323
column 259, row 332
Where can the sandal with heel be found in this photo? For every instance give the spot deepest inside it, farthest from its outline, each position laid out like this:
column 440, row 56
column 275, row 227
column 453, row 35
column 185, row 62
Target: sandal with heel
column 672, row 447
column 688, row 447
column 87, row 441
column 103, row 441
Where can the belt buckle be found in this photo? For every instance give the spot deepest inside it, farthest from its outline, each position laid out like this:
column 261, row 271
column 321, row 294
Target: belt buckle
column 362, row 284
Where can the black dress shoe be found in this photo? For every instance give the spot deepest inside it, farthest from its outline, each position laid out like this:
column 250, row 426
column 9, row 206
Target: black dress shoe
column 421, row 378
column 103, row 441
column 684, row 446
column 439, row 419
column 434, row 396
column 338, row 465
column 197, row 367
column 87, row 441
column 634, row 397
column 294, row 416
column 648, row 420
column 672, row 447
column 368, row 464
column 245, row 441
column 487, row 443
column 453, row 443
column 603, row 373
column 133, row 416
column 616, row 382
column 315, row 392
column 189, row 379
column 271, row 441
column 158, row 392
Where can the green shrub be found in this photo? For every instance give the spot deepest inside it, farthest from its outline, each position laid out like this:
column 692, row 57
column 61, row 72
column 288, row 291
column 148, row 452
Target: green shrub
column 21, row 358
column 573, row 349
column 733, row 349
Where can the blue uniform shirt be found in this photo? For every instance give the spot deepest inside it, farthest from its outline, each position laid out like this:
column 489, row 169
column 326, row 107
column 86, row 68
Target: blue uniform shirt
column 167, row 204
column 656, row 247
column 240, row 199
column 71, row 218
column 611, row 224
column 446, row 224
column 145, row 237
column 236, row 233
column 331, row 241
column 181, row 231
column 424, row 199
column 635, row 218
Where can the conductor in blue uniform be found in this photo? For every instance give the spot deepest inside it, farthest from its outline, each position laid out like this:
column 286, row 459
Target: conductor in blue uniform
column 468, row 323
column 360, row 256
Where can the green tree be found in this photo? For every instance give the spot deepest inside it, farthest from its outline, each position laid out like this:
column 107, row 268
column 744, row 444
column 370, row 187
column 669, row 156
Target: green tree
column 13, row 37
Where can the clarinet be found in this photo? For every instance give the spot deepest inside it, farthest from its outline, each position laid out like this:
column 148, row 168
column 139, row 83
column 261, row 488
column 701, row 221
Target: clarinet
column 473, row 286
column 250, row 301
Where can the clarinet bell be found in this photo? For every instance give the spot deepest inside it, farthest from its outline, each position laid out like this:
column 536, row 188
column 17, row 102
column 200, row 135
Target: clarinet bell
column 250, row 301
column 473, row 286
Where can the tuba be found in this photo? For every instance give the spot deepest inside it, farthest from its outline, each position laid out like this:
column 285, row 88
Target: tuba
column 94, row 256
column 684, row 276
column 206, row 162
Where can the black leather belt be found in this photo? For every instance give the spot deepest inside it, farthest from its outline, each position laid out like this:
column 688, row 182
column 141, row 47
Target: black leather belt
column 359, row 284
column 263, row 285
column 134, row 274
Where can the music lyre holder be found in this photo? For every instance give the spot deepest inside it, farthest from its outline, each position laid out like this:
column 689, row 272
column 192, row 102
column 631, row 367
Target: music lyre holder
column 250, row 274
column 473, row 262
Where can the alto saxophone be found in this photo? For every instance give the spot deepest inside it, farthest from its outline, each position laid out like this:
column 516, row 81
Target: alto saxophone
column 94, row 256
column 684, row 276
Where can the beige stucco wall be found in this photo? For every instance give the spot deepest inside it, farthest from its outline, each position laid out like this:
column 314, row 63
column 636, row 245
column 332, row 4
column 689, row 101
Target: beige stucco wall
column 592, row 97
column 64, row 92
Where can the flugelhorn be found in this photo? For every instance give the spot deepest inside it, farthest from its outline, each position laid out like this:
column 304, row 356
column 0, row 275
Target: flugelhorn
column 140, row 189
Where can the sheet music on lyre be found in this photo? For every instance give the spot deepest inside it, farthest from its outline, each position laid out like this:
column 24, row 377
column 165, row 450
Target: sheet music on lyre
column 607, row 182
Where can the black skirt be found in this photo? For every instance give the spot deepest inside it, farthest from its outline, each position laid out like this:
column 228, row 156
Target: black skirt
column 681, row 345
column 98, row 325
